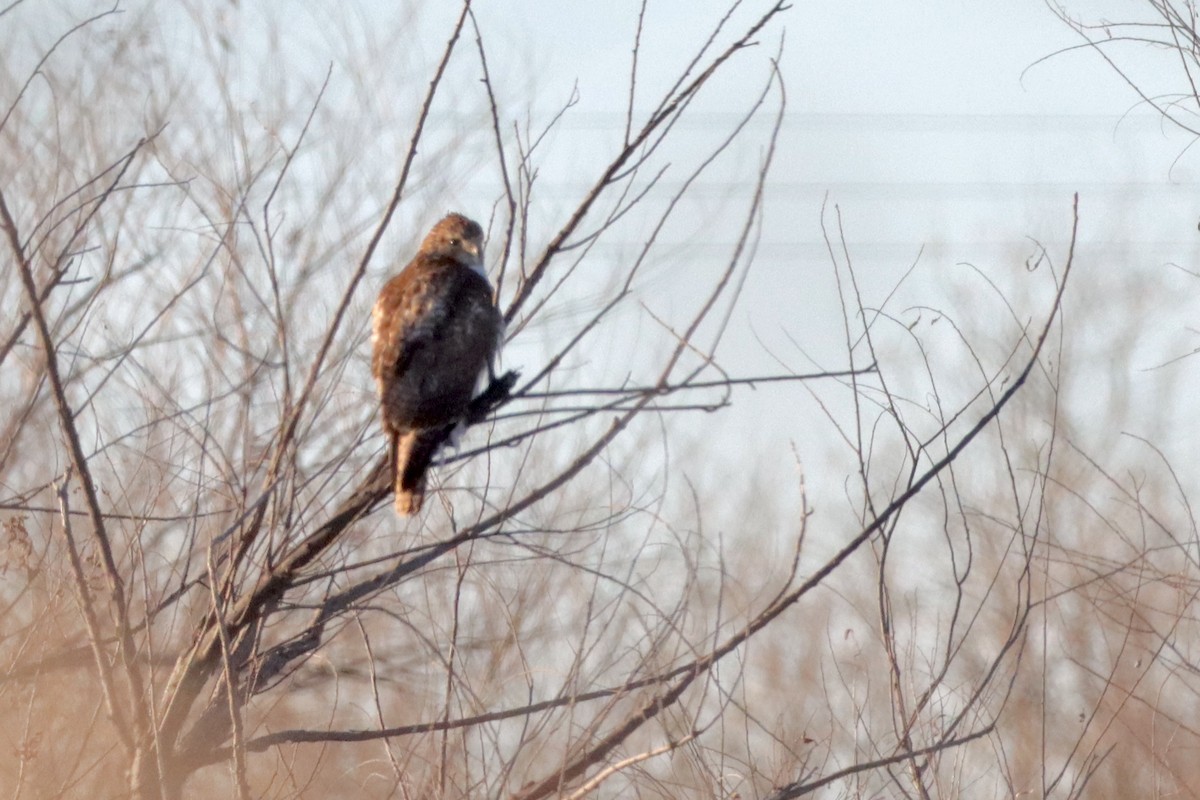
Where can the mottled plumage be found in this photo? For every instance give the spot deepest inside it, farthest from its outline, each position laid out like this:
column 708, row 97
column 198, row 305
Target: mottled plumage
column 434, row 332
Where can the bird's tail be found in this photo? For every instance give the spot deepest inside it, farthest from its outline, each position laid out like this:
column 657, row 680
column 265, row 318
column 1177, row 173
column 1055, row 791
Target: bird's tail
column 413, row 455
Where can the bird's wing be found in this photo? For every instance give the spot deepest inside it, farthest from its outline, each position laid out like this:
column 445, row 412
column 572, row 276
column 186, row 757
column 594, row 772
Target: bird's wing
column 410, row 312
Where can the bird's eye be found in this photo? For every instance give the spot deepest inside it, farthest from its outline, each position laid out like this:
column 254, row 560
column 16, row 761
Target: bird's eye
column 456, row 242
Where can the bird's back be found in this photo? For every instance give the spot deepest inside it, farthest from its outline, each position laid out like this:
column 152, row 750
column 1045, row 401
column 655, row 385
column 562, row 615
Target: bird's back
column 435, row 331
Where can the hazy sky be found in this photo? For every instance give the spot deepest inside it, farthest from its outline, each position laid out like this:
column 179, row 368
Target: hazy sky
column 929, row 124
column 937, row 106
column 934, row 128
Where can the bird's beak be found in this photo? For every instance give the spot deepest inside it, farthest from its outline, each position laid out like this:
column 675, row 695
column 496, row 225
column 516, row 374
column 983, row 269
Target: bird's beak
column 475, row 249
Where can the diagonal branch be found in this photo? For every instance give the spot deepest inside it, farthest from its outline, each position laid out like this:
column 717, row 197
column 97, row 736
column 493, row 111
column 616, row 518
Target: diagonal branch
column 772, row 612
column 663, row 116
column 66, row 417
column 195, row 666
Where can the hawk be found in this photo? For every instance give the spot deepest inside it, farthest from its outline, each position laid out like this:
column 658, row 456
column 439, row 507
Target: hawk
column 434, row 333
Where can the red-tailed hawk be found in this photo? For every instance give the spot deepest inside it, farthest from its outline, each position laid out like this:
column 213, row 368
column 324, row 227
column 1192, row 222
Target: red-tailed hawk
column 434, row 332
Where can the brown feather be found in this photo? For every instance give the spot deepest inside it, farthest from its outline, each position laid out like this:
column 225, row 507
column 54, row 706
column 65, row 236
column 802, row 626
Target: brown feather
column 434, row 332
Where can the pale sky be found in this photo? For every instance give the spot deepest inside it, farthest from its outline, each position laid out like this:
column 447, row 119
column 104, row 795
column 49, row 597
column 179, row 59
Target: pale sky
column 927, row 123
column 932, row 126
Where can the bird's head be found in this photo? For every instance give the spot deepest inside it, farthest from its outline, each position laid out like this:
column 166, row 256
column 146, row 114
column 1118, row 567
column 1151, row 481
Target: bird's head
column 459, row 238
